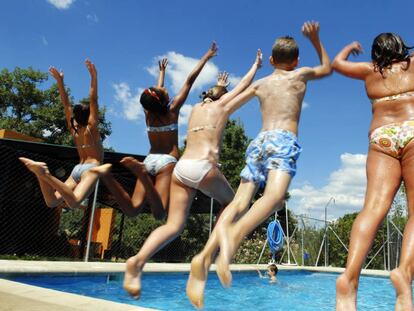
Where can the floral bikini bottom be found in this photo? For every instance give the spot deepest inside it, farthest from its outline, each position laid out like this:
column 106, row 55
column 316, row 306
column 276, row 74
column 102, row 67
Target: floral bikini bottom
column 393, row 138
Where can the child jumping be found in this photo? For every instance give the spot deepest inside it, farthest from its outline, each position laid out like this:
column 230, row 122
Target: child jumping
column 271, row 156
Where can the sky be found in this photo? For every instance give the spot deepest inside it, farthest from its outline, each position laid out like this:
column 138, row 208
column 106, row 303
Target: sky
column 125, row 39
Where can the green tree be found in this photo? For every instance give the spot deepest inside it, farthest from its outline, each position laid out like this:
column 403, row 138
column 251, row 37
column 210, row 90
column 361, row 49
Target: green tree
column 235, row 143
column 29, row 109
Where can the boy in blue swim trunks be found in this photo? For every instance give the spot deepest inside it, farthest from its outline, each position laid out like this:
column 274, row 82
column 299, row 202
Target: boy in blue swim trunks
column 270, row 158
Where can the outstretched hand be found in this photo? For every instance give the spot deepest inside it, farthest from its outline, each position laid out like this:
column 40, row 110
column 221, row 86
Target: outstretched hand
column 58, row 75
column 311, row 30
column 91, row 68
column 356, row 48
column 222, row 79
column 259, row 58
column 162, row 64
column 213, row 50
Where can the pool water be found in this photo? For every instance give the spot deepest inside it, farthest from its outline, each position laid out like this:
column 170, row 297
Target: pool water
column 295, row 290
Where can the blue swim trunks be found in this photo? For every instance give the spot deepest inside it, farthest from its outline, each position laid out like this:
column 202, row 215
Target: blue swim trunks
column 271, row 150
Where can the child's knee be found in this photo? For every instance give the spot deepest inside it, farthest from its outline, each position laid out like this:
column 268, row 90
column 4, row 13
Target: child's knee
column 53, row 203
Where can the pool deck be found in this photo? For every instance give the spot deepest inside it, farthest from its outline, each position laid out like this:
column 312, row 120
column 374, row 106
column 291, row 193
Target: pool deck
column 18, row 296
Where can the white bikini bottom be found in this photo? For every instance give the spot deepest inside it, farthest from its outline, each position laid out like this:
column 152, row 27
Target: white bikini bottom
column 191, row 172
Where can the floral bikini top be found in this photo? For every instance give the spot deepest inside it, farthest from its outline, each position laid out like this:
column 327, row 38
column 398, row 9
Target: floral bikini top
column 392, row 97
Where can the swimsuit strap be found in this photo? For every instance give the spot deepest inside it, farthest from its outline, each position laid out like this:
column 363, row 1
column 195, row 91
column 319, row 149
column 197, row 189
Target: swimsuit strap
column 393, row 97
column 165, row 128
column 203, row 127
column 88, row 145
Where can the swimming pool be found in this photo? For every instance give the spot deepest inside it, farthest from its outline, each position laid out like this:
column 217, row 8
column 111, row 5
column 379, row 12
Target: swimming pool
column 295, row 290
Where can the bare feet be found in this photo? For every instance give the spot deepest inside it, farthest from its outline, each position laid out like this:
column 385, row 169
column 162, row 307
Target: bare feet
column 132, row 278
column 226, row 254
column 197, row 281
column 345, row 294
column 102, row 170
column 136, row 167
column 402, row 284
column 38, row 168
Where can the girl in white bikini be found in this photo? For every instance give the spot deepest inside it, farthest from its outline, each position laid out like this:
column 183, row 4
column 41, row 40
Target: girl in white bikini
column 154, row 174
column 197, row 170
column 83, row 123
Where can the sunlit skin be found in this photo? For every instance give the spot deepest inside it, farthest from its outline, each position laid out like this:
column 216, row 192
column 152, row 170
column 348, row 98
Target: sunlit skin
column 155, row 190
column 55, row 191
column 384, row 176
column 280, row 95
column 177, row 213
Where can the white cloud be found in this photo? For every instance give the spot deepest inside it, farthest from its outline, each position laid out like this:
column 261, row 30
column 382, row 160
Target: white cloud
column 93, row 18
column 346, row 185
column 131, row 107
column 44, row 41
column 305, row 105
column 185, row 112
column 234, row 80
column 61, row 4
column 179, row 67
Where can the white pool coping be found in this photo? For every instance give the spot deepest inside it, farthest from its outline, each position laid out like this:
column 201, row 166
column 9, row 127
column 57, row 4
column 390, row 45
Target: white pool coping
column 19, row 296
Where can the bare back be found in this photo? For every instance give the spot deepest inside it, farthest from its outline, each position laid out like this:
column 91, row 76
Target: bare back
column 281, row 95
column 206, row 126
column 163, row 142
column 398, row 80
column 89, row 145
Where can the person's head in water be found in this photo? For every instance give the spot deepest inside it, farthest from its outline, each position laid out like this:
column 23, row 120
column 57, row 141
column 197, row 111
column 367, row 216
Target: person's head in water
column 389, row 48
column 285, row 52
column 155, row 99
column 80, row 114
column 272, row 270
column 214, row 93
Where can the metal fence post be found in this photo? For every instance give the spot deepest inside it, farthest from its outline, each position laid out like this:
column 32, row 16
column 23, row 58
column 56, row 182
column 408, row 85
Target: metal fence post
column 91, row 221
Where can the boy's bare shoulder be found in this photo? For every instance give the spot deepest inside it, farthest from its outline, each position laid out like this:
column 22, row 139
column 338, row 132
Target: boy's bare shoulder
column 303, row 71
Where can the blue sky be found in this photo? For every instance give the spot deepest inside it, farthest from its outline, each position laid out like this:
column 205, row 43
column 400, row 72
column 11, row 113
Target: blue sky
column 126, row 38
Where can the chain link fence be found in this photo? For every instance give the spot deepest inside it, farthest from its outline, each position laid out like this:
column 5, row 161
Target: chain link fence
column 31, row 230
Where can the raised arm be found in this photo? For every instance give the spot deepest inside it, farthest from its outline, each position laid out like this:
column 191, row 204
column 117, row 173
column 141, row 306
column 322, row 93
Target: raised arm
column 241, row 99
column 245, row 82
column 180, row 98
column 93, row 94
column 356, row 70
column 63, row 95
column 162, row 64
column 311, row 31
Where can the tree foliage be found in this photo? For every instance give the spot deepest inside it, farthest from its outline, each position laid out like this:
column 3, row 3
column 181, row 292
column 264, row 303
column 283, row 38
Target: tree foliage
column 29, row 108
column 235, row 143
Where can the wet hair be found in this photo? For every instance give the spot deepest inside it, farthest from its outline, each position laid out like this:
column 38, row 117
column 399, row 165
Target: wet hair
column 153, row 100
column 272, row 267
column 387, row 49
column 214, row 93
column 285, row 50
column 80, row 114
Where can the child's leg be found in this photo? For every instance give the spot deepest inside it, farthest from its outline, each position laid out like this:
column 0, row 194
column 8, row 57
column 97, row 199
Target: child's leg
column 232, row 235
column 52, row 197
column 116, row 189
column 403, row 275
column 73, row 197
column 131, row 206
column 181, row 199
column 145, row 190
column 383, row 181
column 216, row 185
column 161, row 192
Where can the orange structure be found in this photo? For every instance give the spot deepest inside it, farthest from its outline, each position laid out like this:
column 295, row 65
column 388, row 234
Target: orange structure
column 14, row 135
column 103, row 228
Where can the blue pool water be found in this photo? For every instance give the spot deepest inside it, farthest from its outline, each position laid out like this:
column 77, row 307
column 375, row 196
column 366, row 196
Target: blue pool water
column 295, row 290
